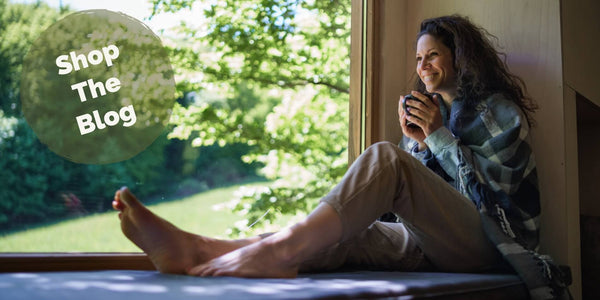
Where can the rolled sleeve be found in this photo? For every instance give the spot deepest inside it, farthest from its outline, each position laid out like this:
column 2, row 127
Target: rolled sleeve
column 440, row 139
column 444, row 147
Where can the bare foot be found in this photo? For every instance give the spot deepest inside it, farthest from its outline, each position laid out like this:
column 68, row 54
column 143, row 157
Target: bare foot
column 170, row 249
column 263, row 260
column 279, row 255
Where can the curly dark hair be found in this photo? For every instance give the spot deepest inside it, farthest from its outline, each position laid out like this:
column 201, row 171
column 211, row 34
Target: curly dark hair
column 481, row 69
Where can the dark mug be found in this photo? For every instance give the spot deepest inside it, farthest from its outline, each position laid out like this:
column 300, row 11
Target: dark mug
column 404, row 106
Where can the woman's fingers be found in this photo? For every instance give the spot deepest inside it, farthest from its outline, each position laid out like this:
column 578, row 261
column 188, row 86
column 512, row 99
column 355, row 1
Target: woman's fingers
column 425, row 108
column 402, row 114
column 400, row 108
column 416, row 120
column 436, row 100
column 424, row 99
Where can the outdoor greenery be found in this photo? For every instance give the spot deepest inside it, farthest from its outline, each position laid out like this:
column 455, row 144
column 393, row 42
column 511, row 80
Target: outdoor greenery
column 262, row 86
column 38, row 185
column 100, row 232
column 296, row 50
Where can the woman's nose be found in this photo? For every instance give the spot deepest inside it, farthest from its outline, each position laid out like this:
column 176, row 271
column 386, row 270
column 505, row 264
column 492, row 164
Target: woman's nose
column 424, row 64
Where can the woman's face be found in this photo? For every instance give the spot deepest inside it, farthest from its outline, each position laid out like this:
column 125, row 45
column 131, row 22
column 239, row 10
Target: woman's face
column 435, row 67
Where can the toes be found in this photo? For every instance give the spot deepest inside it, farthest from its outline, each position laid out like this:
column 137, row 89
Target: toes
column 223, row 273
column 125, row 195
column 118, row 205
column 201, row 271
column 195, row 271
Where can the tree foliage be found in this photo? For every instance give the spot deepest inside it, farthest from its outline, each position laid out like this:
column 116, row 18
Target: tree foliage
column 286, row 43
column 20, row 25
column 265, row 77
column 293, row 51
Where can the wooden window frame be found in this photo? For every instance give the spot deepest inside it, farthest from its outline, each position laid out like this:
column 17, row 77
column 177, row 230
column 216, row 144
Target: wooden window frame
column 364, row 73
column 357, row 82
column 57, row 261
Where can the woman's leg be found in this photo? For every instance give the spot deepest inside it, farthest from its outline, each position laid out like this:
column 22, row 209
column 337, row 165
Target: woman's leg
column 171, row 249
column 445, row 224
column 380, row 180
column 280, row 254
column 174, row 251
column 382, row 246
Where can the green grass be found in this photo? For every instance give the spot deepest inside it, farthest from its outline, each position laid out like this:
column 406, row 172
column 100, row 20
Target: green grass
column 102, row 233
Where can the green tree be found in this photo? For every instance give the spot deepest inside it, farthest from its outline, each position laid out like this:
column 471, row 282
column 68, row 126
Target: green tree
column 288, row 43
column 23, row 163
column 294, row 50
column 20, row 25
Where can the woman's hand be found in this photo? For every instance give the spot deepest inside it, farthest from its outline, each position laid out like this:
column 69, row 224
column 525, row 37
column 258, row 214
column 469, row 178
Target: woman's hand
column 426, row 116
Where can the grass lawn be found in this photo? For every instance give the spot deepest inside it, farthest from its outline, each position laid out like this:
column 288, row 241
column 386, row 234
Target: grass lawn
column 102, row 232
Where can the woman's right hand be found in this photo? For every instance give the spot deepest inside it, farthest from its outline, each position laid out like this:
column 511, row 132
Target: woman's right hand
column 415, row 133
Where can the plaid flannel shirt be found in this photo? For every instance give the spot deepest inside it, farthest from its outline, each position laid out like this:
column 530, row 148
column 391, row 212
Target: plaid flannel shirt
column 485, row 154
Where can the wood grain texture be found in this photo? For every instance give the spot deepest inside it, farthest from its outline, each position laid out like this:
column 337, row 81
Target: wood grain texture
column 529, row 33
column 588, row 147
column 581, row 41
column 373, row 48
column 394, row 45
column 571, row 204
column 356, row 86
column 43, row 262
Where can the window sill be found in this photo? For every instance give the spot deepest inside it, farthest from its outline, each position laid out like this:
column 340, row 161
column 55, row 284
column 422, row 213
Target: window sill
column 41, row 262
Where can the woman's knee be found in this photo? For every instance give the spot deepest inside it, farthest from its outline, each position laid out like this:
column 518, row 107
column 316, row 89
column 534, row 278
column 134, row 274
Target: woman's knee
column 387, row 149
column 383, row 146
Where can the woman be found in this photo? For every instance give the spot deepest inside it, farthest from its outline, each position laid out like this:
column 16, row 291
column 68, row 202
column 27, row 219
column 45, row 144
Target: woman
column 472, row 134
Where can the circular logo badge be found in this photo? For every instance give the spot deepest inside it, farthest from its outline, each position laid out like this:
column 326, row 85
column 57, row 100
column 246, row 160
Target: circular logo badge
column 97, row 87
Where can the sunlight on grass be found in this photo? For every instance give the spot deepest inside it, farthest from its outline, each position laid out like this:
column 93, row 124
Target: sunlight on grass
column 102, row 233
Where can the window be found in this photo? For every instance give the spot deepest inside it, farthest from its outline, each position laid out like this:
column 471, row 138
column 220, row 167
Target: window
column 262, row 95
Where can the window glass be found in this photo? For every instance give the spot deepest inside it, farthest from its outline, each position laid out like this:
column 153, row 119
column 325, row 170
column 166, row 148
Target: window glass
column 257, row 135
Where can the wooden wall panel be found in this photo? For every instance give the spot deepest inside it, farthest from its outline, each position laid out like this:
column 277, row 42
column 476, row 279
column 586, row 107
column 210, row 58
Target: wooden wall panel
column 529, row 32
column 394, row 46
column 570, row 247
column 581, row 34
column 588, row 147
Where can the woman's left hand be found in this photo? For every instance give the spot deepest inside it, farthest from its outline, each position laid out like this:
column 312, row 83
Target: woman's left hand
column 426, row 114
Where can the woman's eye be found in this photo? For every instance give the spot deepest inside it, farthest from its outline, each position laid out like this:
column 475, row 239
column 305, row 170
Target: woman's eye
column 419, row 58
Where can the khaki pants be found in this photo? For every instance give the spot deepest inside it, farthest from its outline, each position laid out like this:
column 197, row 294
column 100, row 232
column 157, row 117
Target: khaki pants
column 437, row 220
